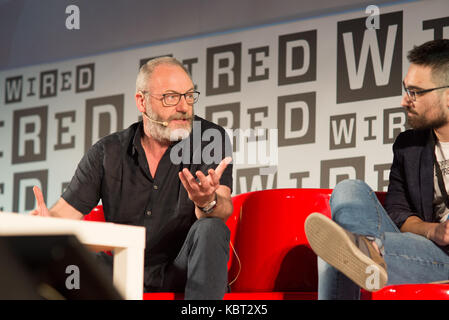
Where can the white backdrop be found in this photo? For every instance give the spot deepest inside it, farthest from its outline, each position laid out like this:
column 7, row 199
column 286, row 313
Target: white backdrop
column 327, row 91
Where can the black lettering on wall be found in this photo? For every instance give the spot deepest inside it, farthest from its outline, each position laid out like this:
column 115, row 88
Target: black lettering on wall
column 23, row 196
column 103, row 116
column 369, row 61
column 437, row 25
column 297, row 57
column 223, row 69
column 13, row 89
column 29, row 135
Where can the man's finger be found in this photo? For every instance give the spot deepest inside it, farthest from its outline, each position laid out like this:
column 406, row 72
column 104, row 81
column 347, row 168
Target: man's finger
column 213, row 176
column 202, row 179
column 39, row 197
column 190, row 179
column 185, row 182
column 222, row 166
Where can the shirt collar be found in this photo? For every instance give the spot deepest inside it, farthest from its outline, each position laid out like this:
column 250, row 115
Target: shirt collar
column 136, row 140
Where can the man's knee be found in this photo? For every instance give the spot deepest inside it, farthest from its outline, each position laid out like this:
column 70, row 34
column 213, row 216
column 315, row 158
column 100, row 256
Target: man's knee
column 349, row 192
column 350, row 187
column 211, row 228
column 352, row 202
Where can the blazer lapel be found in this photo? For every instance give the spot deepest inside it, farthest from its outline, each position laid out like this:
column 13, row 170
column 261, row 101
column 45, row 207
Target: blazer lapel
column 427, row 178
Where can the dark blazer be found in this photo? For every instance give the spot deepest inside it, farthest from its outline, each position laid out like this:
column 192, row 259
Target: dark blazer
column 410, row 191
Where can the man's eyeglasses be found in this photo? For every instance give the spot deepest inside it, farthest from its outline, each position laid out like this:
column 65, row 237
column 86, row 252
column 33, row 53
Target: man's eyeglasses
column 172, row 99
column 412, row 93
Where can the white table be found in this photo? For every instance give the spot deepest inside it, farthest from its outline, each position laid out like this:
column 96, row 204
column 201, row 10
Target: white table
column 128, row 243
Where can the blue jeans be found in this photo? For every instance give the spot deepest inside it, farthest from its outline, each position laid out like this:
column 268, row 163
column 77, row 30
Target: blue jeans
column 410, row 258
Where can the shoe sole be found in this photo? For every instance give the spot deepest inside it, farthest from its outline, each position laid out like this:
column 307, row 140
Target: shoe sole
column 330, row 242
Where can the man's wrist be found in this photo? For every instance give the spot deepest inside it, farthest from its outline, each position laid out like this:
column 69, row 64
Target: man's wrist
column 202, row 204
column 428, row 236
column 209, row 206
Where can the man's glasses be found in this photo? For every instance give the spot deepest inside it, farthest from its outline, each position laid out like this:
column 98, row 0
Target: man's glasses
column 412, row 93
column 172, row 99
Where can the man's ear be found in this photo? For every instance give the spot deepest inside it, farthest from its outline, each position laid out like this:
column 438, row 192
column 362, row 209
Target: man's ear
column 140, row 101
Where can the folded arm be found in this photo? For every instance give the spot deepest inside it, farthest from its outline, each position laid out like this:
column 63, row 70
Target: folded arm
column 437, row 232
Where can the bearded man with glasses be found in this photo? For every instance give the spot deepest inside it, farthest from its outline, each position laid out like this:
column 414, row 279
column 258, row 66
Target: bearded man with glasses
column 368, row 246
column 183, row 205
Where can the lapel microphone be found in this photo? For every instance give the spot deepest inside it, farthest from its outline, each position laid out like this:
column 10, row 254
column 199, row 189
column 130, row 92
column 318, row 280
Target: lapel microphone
column 162, row 123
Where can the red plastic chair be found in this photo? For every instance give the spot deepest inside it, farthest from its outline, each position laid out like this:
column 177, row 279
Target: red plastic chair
column 275, row 259
column 270, row 257
column 96, row 214
column 426, row 291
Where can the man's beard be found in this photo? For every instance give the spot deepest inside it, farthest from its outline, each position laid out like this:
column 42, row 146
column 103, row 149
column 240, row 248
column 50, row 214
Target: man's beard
column 420, row 122
column 166, row 134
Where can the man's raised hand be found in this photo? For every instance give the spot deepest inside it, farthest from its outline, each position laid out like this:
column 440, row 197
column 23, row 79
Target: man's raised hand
column 41, row 209
column 202, row 191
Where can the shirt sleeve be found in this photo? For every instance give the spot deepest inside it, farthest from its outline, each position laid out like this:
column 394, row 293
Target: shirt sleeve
column 83, row 191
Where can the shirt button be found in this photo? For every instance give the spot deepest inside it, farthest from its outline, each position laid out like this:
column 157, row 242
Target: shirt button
column 155, row 187
column 148, row 213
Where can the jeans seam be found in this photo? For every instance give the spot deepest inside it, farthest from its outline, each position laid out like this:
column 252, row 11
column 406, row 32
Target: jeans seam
column 419, row 260
column 373, row 196
column 379, row 217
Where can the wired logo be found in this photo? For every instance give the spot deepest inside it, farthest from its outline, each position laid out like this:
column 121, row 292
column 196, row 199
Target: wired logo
column 369, row 61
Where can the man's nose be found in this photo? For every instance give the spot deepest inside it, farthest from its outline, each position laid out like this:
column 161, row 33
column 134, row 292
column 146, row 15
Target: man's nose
column 182, row 105
column 406, row 102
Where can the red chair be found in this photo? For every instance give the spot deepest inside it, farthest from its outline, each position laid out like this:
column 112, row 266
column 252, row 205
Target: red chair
column 425, row 291
column 270, row 258
column 96, row 214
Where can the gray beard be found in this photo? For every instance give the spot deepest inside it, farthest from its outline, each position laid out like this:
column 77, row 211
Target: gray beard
column 165, row 134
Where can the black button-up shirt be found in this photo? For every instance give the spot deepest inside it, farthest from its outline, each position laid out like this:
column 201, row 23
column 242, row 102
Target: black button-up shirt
column 115, row 170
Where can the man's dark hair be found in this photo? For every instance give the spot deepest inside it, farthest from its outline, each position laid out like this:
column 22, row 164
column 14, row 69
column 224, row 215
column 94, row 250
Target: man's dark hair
column 433, row 54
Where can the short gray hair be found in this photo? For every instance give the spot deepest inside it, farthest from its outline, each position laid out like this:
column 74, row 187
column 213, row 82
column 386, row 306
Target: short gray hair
column 147, row 69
